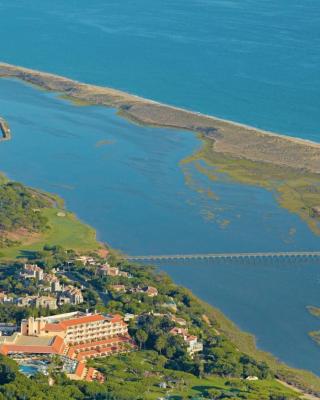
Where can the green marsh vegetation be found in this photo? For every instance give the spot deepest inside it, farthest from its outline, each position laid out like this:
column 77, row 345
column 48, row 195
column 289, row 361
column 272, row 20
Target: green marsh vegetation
column 296, row 190
column 315, row 335
column 315, row 311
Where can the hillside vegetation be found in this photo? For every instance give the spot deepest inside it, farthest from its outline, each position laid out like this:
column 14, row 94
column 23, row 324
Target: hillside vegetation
column 21, row 208
column 161, row 366
column 29, row 219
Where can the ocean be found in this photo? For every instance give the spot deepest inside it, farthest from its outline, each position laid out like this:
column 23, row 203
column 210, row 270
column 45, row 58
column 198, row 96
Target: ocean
column 254, row 62
column 250, row 61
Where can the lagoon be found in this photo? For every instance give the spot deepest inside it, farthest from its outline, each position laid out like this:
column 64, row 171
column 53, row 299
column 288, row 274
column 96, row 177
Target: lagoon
column 250, row 61
column 128, row 183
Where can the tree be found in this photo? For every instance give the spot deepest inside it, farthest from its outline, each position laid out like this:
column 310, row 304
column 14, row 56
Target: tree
column 8, row 371
column 160, row 343
column 141, row 337
column 213, row 393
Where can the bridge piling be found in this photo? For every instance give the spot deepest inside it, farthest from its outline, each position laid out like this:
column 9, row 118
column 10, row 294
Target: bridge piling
column 246, row 257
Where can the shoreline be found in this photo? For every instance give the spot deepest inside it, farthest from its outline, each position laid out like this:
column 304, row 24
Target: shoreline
column 195, row 129
column 231, row 138
column 303, row 380
column 63, row 228
column 159, row 103
column 4, row 130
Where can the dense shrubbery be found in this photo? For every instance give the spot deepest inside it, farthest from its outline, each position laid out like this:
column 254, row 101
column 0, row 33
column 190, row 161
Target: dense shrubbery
column 216, row 373
column 220, row 356
column 15, row 386
column 132, row 377
column 19, row 208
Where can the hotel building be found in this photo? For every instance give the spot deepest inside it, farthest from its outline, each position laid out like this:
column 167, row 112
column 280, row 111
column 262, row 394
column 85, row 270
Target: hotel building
column 76, row 335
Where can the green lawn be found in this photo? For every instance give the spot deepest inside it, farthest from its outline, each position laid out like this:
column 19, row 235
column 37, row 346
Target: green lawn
column 67, row 231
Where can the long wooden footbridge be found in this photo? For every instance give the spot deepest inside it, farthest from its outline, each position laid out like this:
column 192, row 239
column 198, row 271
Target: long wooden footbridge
column 286, row 255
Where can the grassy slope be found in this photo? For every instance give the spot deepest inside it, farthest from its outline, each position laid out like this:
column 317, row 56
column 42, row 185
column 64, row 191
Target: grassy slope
column 3, row 178
column 67, row 231
column 141, row 372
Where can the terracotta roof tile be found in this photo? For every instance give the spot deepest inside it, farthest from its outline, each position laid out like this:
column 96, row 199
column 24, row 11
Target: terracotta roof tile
column 82, row 320
column 80, row 369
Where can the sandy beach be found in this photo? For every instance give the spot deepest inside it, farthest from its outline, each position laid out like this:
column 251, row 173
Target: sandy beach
column 228, row 137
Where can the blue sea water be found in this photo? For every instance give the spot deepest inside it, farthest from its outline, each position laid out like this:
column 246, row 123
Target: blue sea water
column 251, row 61
column 255, row 62
column 265, row 298
column 127, row 182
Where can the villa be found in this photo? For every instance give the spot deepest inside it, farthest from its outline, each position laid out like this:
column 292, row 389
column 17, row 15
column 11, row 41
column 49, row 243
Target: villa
column 54, row 282
column 193, row 346
column 46, row 302
column 4, row 298
column 107, row 270
column 86, row 260
column 72, row 293
column 150, row 291
column 32, row 271
column 118, row 288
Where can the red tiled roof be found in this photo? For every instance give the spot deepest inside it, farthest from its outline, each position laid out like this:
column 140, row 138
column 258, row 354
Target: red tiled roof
column 178, row 331
column 96, row 348
column 99, row 377
column 53, row 327
column 116, row 318
column 90, row 374
column 191, row 337
column 103, row 252
column 58, row 345
column 62, row 325
column 55, row 348
column 82, row 320
column 4, row 349
column 80, row 368
column 84, row 354
column 71, row 352
column 32, row 268
column 92, row 345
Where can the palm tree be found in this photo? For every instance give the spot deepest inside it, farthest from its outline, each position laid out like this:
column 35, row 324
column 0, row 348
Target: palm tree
column 160, row 343
column 141, row 337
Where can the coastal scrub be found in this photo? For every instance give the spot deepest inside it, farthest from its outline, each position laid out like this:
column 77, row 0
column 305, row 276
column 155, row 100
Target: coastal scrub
column 29, row 219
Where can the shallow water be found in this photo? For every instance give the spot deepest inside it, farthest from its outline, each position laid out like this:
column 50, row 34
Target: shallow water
column 252, row 61
column 127, row 182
